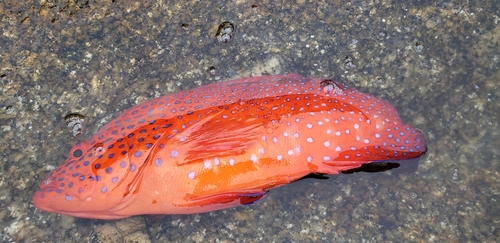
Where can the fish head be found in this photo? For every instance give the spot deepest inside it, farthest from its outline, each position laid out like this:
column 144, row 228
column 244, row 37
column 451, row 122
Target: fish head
column 91, row 183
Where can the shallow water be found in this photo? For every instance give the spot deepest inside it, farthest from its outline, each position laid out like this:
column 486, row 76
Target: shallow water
column 436, row 62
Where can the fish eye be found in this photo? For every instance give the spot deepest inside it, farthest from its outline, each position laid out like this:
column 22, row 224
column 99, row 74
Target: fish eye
column 77, row 153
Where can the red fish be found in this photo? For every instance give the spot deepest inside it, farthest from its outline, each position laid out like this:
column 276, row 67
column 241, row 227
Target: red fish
column 223, row 145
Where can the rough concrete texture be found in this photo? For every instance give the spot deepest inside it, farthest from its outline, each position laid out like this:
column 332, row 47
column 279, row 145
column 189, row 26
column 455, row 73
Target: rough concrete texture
column 438, row 62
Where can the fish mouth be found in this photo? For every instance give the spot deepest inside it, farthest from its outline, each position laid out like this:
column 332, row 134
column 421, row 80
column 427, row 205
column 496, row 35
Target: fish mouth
column 58, row 203
column 48, row 203
column 55, row 200
column 42, row 202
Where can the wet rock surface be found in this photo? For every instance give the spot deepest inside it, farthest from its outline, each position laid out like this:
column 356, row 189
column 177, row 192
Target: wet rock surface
column 437, row 62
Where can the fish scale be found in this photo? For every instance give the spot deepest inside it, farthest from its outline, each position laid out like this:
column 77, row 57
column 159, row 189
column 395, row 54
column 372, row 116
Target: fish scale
column 223, row 145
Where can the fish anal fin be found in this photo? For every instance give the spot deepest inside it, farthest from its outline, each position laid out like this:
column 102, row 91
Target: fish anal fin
column 335, row 167
column 238, row 198
column 252, row 198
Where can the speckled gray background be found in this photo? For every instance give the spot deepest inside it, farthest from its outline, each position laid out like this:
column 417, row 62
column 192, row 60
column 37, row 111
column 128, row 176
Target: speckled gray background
column 438, row 62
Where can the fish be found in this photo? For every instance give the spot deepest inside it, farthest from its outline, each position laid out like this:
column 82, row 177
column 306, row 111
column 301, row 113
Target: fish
column 224, row 145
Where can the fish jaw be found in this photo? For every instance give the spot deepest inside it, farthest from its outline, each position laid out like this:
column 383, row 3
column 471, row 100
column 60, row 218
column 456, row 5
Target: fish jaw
column 57, row 205
column 76, row 188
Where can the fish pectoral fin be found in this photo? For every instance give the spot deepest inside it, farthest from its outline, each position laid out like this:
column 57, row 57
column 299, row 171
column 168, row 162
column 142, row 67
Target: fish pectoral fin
column 237, row 198
column 220, row 136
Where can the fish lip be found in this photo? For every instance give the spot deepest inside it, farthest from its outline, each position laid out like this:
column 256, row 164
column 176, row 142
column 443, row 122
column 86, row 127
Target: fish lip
column 46, row 188
column 42, row 202
column 49, row 206
column 52, row 208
